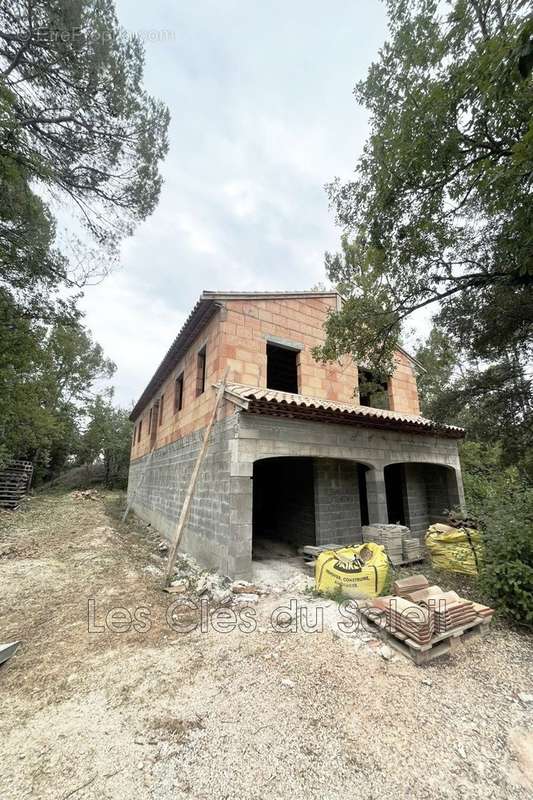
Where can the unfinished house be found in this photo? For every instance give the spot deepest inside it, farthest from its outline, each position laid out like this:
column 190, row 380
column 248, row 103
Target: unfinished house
column 297, row 453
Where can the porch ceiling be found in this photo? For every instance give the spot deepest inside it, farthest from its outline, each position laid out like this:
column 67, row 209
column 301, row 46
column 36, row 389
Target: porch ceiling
column 256, row 400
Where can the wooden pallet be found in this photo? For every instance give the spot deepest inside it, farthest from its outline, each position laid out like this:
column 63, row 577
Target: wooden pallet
column 440, row 645
column 15, row 480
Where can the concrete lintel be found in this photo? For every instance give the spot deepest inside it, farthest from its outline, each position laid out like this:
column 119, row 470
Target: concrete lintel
column 288, row 343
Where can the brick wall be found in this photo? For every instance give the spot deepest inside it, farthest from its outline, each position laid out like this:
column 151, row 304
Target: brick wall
column 195, row 410
column 237, row 337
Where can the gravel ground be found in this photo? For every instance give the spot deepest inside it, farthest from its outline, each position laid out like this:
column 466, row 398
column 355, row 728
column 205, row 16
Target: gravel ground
column 155, row 713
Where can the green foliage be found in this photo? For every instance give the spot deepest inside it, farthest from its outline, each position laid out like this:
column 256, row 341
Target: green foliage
column 78, row 128
column 107, row 436
column 507, row 573
column 78, row 119
column 503, row 502
column 440, row 208
column 493, row 402
column 47, row 376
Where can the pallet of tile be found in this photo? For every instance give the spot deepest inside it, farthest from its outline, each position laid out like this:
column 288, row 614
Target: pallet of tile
column 440, row 645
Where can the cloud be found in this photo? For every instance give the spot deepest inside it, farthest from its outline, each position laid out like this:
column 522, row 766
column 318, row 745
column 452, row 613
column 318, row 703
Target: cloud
column 262, row 117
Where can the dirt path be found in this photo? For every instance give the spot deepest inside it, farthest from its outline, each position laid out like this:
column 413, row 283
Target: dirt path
column 155, row 713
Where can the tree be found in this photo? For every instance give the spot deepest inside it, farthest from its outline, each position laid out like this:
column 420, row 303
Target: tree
column 493, row 402
column 439, row 359
column 440, row 210
column 107, row 436
column 47, row 379
column 76, row 119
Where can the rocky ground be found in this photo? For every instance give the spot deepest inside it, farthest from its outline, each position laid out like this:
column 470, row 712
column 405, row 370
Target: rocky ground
column 166, row 699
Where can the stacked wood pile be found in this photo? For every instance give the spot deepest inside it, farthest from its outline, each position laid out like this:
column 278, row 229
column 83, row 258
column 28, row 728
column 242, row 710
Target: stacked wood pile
column 15, row 481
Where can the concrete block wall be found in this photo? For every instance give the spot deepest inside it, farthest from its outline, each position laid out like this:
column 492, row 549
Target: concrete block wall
column 212, row 523
column 219, row 533
column 415, row 498
column 337, row 510
column 441, row 493
column 284, row 500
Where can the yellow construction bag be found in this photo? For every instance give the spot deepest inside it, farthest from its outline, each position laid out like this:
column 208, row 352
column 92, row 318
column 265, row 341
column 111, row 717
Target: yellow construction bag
column 454, row 549
column 358, row 570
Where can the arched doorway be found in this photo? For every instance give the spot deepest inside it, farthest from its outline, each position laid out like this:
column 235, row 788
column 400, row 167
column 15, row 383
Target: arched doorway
column 419, row 494
column 305, row 500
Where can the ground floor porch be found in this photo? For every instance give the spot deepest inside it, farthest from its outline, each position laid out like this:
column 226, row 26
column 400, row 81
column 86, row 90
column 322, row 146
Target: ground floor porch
column 296, row 482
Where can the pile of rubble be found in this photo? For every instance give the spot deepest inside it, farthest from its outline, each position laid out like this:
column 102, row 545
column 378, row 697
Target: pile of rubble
column 191, row 580
column 85, row 494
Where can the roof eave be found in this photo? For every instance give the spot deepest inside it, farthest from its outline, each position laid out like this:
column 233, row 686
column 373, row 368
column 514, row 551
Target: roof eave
column 202, row 313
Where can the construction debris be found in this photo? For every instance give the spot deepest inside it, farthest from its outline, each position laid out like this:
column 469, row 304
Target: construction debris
column 189, row 578
column 85, row 494
column 245, row 587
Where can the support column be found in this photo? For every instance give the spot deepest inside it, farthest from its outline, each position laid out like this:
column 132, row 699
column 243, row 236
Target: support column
column 239, row 558
column 376, row 495
column 456, row 491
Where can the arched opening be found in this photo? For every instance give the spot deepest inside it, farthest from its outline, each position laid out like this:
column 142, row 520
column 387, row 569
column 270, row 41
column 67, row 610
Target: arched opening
column 300, row 501
column 283, row 506
column 419, row 494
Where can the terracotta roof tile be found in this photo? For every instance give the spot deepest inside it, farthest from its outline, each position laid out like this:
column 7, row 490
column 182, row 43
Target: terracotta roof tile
column 261, row 398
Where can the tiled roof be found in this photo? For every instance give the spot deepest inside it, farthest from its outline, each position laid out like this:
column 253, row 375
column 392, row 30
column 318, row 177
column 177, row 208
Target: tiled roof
column 202, row 312
column 269, row 401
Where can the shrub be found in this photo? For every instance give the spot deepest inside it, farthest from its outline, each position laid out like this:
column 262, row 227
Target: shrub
column 502, row 500
column 507, row 572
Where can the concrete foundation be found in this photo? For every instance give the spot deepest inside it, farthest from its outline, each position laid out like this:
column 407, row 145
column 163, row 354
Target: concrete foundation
column 219, row 533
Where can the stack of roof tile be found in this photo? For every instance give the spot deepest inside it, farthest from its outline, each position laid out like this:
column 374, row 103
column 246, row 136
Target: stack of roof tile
column 483, row 611
column 411, row 620
column 411, row 584
column 450, row 611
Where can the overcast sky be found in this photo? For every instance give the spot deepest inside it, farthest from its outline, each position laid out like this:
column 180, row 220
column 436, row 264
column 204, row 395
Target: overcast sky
column 263, row 115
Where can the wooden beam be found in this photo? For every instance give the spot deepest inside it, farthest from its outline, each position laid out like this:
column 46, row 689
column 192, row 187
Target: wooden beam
column 186, row 507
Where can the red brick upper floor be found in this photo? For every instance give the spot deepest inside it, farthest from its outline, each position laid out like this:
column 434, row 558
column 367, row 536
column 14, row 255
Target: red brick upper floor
column 264, row 340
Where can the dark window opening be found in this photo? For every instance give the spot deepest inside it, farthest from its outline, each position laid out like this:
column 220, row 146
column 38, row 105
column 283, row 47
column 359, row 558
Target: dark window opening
column 178, row 395
column 139, row 431
column 154, row 411
column 150, row 420
column 282, row 368
column 161, row 400
column 200, row 372
column 372, row 391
